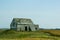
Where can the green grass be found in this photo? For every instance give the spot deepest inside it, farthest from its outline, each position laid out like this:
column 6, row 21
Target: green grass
column 10, row 34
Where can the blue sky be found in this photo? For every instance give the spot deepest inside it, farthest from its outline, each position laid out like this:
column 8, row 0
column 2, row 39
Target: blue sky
column 46, row 13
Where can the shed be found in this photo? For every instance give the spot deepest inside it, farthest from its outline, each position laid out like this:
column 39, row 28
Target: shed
column 23, row 24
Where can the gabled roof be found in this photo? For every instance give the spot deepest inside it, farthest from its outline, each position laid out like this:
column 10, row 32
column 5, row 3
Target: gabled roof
column 23, row 20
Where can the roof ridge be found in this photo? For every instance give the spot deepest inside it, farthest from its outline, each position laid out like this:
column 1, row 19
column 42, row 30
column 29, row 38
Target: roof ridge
column 20, row 18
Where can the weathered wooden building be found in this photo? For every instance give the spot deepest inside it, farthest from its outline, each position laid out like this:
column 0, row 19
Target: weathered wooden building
column 23, row 24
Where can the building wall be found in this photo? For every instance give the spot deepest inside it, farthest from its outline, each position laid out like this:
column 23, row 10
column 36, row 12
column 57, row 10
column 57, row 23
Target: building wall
column 21, row 27
column 36, row 27
column 21, row 24
column 13, row 25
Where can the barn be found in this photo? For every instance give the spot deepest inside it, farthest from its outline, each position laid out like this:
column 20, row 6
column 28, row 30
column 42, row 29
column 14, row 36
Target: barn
column 23, row 24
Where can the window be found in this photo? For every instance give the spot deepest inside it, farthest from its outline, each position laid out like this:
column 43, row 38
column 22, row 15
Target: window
column 36, row 28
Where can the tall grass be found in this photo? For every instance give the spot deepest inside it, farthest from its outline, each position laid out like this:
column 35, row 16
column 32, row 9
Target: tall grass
column 45, row 34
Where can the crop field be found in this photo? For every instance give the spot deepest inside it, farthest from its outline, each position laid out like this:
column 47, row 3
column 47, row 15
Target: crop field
column 36, row 35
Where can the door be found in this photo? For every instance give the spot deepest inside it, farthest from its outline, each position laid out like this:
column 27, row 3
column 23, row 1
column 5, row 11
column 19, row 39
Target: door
column 25, row 28
column 29, row 28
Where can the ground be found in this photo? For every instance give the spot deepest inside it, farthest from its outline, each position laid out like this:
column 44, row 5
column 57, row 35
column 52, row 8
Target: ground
column 37, row 35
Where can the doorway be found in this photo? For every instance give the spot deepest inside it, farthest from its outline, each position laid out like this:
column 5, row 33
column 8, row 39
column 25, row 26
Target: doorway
column 25, row 28
column 29, row 29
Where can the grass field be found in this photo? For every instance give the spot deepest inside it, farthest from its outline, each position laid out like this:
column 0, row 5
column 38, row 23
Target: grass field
column 37, row 35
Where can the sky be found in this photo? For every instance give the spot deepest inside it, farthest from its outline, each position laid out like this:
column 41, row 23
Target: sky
column 46, row 13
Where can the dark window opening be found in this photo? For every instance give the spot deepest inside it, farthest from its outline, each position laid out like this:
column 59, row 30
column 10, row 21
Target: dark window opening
column 26, row 28
column 29, row 29
column 36, row 28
